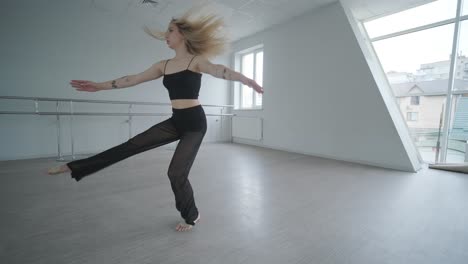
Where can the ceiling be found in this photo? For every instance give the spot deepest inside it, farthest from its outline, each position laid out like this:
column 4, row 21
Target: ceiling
column 245, row 17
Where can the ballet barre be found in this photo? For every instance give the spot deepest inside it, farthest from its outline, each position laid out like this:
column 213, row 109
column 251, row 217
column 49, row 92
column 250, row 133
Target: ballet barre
column 72, row 113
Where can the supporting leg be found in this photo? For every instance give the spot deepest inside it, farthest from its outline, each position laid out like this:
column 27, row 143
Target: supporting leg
column 178, row 172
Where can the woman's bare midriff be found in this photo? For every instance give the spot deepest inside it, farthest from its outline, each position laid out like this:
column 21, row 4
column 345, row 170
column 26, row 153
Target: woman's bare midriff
column 184, row 103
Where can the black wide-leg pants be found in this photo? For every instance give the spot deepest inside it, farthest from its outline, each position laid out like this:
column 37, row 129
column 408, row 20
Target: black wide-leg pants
column 187, row 125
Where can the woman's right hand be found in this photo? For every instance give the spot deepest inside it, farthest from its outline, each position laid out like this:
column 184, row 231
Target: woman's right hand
column 87, row 86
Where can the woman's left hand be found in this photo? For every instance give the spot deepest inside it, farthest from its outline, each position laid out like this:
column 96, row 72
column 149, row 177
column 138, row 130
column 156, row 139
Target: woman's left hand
column 254, row 85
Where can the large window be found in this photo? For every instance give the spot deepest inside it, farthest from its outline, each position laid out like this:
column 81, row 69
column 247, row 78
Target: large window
column 415, row 49
column 458, row 136
column 250, row 64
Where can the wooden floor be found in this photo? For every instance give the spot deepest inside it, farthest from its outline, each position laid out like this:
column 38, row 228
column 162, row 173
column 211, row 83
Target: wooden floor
column 257, row 206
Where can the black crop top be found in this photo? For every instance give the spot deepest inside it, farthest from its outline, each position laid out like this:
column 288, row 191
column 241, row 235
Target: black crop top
column 182, row 84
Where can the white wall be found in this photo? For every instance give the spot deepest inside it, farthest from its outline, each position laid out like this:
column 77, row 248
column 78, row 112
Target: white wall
column 321, row 97
column 45, row 44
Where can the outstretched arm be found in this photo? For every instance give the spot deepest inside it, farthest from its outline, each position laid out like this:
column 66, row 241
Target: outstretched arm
column 223, row 72
column 154, row 72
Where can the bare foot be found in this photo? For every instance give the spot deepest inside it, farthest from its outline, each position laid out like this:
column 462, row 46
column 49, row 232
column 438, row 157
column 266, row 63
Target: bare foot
column 58, row 169
column 182, row 227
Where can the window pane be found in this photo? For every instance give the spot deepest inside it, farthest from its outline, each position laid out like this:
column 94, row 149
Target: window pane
column 465, row 7
column 459, row 132
column 418, row 65
column 457, row 144
column 420, row 56
column 461, row 72
column 247, row 99
column 414, row 17
column 248, row 71
column 236, row 95
column 247, row 65
column 259, row 77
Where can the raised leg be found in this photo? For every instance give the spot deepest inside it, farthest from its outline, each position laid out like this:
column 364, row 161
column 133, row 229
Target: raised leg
column 157, row 135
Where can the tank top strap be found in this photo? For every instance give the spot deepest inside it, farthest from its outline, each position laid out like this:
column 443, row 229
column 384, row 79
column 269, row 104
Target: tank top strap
column 191, row 61
column 165, row 66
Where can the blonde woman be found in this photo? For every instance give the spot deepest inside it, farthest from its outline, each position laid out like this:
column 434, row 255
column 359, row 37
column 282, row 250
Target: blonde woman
column 194, row 41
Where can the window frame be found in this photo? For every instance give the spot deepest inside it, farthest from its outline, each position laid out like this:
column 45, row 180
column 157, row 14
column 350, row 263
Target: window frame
column 409, row 116
column 238, row 56
column 415, row 100
column 458, row 18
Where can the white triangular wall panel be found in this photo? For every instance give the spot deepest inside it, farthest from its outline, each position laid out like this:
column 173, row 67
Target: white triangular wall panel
column 321, row 97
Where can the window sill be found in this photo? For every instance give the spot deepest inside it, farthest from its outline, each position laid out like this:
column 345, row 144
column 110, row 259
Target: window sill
column 248, row 109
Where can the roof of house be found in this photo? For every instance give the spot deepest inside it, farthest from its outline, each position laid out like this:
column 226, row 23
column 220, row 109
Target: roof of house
column 434, row 87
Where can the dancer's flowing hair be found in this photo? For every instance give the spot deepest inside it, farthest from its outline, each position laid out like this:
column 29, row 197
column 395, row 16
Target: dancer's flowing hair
column 203, row 32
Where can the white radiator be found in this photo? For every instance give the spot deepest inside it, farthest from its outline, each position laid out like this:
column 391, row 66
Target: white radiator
column 247, row 127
